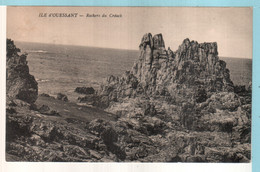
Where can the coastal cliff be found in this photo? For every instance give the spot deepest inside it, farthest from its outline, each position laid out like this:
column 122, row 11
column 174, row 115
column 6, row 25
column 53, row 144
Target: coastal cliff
column 20, row 83
column 173, row 106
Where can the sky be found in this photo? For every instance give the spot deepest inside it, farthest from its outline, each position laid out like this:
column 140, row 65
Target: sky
column 230, row 27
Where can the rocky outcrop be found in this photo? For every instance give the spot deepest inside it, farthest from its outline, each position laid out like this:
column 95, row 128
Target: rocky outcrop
column 151, row 132
column 188, row 91
column 51, row 139
column 20, row 84
column 193, row 67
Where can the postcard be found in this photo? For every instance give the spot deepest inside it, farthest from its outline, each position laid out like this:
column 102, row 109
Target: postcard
column 129, row 87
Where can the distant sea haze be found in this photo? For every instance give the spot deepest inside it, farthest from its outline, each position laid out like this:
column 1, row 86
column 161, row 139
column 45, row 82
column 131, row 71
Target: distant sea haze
column 62, row 68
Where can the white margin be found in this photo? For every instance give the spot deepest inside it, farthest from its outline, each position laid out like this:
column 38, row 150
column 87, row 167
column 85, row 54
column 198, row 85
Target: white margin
column 2, row 84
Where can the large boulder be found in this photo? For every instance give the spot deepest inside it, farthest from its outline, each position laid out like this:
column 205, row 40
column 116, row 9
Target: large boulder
column 85, row 90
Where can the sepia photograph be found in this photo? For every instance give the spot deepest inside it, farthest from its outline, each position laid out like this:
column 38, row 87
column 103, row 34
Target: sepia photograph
column 128, row 84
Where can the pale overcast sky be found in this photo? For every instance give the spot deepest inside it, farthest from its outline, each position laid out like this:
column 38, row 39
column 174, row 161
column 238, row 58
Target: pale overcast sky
column 231, row 28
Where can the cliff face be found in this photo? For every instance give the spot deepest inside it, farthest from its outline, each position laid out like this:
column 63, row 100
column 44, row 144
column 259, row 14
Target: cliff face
column 194, row 67
column 20, row 84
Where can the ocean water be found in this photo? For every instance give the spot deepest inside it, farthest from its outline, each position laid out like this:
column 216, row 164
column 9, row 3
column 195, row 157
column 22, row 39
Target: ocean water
column 62, row 68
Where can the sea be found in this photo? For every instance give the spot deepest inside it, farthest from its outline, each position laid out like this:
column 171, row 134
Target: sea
column 62, row 68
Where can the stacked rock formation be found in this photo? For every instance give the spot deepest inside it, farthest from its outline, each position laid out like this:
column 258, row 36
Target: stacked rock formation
column 159, row 72
column 20, row 84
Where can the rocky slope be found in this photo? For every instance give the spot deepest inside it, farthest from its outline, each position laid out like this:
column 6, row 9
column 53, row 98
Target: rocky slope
column 171, row 107
column 19, row 84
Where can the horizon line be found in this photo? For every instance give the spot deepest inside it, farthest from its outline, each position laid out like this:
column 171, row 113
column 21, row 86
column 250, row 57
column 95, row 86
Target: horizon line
column 108, row 47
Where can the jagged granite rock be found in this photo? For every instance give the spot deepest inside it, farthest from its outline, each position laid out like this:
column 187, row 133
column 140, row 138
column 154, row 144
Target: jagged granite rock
column 194, row 71
column 20, row 83
column 187, row 90
column 194, row 65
